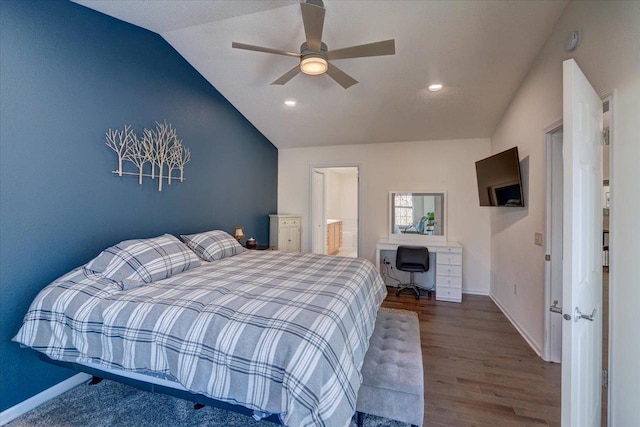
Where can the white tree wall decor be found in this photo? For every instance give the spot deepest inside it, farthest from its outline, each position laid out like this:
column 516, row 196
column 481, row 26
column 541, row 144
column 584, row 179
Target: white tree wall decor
column 135, row 154
column 118, row 141
column 183, row 157
column 158, row 147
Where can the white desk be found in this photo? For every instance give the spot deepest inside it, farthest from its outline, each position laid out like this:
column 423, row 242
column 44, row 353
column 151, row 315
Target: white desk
column 448, row 265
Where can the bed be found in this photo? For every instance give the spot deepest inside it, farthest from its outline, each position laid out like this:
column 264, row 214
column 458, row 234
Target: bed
column 275, row 332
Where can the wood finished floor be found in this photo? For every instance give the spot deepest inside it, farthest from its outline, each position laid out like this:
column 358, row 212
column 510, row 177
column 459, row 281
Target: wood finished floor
column 478, row 370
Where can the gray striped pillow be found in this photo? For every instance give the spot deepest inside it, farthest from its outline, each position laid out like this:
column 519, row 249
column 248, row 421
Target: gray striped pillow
column 213, row 245
column 144, row 260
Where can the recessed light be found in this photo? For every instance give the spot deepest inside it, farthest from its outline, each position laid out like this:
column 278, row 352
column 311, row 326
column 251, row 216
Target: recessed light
column 435, row 87
column 290, row 103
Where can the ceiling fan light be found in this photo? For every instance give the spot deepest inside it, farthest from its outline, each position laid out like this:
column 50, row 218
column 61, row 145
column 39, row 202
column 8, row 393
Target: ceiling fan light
column 314, row 65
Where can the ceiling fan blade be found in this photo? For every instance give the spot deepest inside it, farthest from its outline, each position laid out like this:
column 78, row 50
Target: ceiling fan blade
column 287, row 76
column 313, row 20
column 342, row 78
column 387, row 47
column 263, row 49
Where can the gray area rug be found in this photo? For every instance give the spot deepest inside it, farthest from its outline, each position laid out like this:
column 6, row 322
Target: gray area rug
column 109, row 403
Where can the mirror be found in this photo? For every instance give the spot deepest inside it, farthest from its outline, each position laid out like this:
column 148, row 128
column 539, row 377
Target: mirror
column 417, row 215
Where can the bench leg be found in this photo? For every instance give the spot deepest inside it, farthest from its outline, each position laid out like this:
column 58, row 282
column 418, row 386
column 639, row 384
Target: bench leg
column 359, row 419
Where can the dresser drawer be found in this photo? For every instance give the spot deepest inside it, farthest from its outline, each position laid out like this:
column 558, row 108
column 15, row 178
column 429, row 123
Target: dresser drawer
column 449, row 259
column 448, row 281
column 444, row 293
column 449, row 270
column 287, row 222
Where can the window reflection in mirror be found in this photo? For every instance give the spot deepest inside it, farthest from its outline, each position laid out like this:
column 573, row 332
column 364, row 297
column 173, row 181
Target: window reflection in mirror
column 417, row 214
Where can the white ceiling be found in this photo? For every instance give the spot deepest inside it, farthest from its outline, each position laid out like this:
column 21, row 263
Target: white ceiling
column 480, row 50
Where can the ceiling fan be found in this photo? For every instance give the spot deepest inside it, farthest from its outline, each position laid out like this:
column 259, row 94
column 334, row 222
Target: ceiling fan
column 314, row 55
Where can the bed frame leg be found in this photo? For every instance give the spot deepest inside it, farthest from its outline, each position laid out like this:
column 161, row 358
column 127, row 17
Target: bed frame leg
column 197, row 406
column 95, row 380
column 359, row 419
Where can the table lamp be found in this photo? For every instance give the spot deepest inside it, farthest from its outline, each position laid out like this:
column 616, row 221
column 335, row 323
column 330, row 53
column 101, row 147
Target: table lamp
column 239, row 233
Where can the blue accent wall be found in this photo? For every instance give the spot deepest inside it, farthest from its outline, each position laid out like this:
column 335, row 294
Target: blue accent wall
column 67, row 75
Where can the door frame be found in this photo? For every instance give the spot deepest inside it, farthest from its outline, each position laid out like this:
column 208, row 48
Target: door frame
column 312, row 212
column 549, row 132
column 611, row 98
column 358, row 166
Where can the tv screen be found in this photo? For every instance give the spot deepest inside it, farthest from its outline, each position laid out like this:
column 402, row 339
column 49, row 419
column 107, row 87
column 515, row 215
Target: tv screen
column 499, row 182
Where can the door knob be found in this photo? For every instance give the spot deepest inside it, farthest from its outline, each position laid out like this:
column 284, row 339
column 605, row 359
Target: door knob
column 577, row 315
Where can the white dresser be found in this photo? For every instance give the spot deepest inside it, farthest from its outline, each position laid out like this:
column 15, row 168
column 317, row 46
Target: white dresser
column 285, row 232
column 448, row 274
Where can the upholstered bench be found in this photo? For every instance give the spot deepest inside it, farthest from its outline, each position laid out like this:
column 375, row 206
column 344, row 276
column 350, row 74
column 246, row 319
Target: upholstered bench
column 392, row 380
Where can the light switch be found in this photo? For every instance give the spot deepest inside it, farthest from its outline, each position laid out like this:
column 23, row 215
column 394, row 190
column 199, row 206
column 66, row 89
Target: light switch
column 537, row 238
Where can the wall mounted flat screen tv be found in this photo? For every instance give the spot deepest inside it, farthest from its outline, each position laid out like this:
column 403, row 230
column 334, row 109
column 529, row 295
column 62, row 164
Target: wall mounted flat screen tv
column 499, row 182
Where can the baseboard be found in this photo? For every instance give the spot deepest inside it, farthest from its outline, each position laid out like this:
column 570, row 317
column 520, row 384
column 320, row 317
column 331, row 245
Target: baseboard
column 23, row 407
column 524, row 335
column 475, row 292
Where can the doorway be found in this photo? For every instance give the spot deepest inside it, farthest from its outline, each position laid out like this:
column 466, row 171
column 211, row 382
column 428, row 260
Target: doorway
column 552, row 350
column 553, row 257
column 335, row 210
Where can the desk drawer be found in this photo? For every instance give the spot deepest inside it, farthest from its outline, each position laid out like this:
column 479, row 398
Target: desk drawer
column 449, row 281
column 449, row 270
column 444, row 293
column 449, row 250
column 448, row 259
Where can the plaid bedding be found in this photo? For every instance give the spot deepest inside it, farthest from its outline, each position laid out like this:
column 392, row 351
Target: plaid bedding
column 276, row 332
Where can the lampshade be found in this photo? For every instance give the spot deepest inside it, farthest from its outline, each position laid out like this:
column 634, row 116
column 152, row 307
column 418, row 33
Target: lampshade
column 239, row 233
column 314, row 65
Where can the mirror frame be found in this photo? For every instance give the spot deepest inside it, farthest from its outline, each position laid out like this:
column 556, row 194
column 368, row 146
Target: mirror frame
column 417, row 238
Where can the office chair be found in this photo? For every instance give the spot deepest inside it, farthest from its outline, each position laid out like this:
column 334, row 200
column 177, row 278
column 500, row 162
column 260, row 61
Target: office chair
column 414, row 259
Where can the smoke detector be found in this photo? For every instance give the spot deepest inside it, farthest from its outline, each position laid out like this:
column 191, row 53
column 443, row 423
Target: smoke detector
column 573, row 40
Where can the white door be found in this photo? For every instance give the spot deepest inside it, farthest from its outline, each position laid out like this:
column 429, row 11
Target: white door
column 294, row 239
column 284, row 239
column 318, row 221
column 582, row 269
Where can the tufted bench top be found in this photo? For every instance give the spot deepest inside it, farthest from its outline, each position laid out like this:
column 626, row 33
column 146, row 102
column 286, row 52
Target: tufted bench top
column 392, row 375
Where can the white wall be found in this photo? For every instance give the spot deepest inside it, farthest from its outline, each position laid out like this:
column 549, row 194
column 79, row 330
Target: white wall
column 609, row 55
column 427, row 165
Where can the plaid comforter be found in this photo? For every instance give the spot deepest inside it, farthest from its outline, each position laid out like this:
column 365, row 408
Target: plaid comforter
column 276, row 332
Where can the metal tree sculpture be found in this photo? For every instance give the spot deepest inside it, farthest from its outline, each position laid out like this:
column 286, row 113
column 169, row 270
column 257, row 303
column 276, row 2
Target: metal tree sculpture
column 185, row 156
column 136, row 154
column 179, row 155
column 158, row 147
column 118, row 141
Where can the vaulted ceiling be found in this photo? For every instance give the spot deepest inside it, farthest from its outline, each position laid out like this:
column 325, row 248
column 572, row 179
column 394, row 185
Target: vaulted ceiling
column 479, row 50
